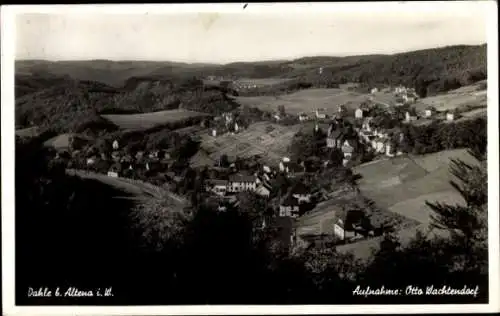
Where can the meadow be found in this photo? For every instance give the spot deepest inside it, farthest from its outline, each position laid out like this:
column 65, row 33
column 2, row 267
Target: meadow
column 307, row 101
column 402, row 185
column 470, row 95
column 149, row 120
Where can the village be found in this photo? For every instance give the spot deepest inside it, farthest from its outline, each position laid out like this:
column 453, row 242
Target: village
column 348, row 135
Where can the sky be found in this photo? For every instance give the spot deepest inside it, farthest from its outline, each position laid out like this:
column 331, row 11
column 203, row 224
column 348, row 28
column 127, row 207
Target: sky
column 250, row 34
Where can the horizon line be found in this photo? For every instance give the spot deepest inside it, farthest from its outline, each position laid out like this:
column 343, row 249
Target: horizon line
column 277, row 59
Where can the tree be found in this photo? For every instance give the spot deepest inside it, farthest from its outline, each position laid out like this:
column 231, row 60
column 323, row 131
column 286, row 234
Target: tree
column 281, row 110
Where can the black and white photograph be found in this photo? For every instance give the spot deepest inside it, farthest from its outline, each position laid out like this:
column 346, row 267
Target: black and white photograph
column 288, row 157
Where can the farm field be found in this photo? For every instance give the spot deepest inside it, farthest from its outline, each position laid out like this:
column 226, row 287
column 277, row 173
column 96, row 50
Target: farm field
column 150, row 120
column 140, row 190
column 454, row 99
column 307, row 101
column 262, row 138
column 321, row 219
column 402, row 185
column 263, row 81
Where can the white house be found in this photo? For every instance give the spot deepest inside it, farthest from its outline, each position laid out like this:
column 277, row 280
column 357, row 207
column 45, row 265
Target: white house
column 320, row 114
column 113, row 174
column 450, row 116
column 400, row 89
column 428, row 112
column 239, row 183
column 303, row 117
column 346, row 224
column 410, row 117
column 281, row 166
column 380, row 145
column 389, row 149
column 366, row 124
column 347, row 149
column 358, row 114
column 219, row 187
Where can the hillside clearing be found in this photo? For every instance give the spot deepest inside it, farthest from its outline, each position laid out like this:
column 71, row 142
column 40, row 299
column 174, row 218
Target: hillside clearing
column 152, row 119
column 404, row 186
column 307, row 101
column 464, row 96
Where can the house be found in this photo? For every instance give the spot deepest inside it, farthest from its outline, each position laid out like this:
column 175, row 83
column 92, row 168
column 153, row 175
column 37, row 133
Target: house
column 334, row 139
column 345, row 161
column 400, row 89
column 366, row 126
column 380, row 145
column 301, row 192
column 350, row 224
column 347, row 149
column 115, row 170
column 289, row 207
column 430, row 111
column 450, row 116
column 263, row 190
column 219, row 187
column 358, row 113
column 282, row 166
column 91, row 161
column 410, row 116
column 374, row 90
column 390, row 148
column 239, row 183
column 320, row 114
column 303, row 117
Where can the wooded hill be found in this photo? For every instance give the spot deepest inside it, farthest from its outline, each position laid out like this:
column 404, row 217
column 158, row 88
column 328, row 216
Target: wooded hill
column 60, row 94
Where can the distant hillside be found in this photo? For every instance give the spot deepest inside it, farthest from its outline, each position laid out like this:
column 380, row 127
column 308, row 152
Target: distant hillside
column 62, row 94
column 77, row 106
column 431, row 70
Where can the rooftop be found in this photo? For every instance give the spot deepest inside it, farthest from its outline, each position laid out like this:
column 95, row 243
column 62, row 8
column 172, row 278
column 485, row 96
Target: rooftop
column 242, row 178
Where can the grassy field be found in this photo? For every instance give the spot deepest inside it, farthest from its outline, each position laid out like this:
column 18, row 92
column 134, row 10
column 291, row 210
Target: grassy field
column 59, row 142
column 258, row 139
column 458, row 98
column 150, row 120
column 307, row 101
column 403, row 185
column 262, row 81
